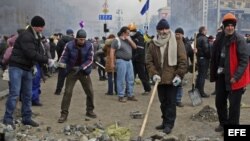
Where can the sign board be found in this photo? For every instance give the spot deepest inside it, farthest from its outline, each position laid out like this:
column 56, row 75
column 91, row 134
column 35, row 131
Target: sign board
column 105, row 17
column 234, row 11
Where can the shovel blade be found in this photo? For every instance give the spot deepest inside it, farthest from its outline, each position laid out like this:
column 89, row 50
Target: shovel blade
column 195, row 97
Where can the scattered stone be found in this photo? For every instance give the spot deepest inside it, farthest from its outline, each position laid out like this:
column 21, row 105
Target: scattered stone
column 83, row 138
column 203, row 139
column 157, row 136
column 170, row 138
column 192, row 138
column 48, row 129
column 136, row 115
column 87, row 119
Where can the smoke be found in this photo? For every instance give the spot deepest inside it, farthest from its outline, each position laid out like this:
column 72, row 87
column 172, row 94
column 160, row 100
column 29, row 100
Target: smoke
column 58, row 15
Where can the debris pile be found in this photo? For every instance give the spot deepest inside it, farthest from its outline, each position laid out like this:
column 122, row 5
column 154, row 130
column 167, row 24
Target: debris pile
column 95, row 132
column 207, row 113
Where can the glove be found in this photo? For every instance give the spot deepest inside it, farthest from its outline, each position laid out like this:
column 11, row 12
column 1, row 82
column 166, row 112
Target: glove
column 34, row 70
column 77, row 69
column 51, row 63
column 176, row 81
column 61, row 65
column 156, row 78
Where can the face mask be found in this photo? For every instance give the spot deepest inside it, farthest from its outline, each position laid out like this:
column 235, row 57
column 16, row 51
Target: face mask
column 132, row 33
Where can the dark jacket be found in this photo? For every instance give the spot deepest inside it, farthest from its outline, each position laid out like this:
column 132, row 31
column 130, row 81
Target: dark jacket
column 27, row 50
column 167, row 73
column 202, row 46
column 138, row 54
column 231, row 69
column 70, row 55
column 61, row 44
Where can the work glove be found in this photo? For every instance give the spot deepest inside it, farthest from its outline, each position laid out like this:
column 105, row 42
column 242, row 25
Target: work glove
column 52, row 63
column 77, row 69
column 176, row 81
column 156, row 78
column 34, row 70
column 61, row 65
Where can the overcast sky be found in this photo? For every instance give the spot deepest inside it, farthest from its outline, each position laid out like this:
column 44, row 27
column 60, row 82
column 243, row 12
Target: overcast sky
column 91, row 9
column 131, row 8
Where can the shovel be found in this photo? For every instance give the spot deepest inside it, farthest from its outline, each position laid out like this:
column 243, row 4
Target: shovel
column 194, row 93
column 147, row 113
column 100, row 65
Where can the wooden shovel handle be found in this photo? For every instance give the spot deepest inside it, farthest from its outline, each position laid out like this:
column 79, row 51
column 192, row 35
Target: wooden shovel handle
column 149, row 106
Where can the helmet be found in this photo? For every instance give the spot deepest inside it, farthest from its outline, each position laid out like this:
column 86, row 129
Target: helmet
column 132, row 27
column 229, row 16
column 81, row 34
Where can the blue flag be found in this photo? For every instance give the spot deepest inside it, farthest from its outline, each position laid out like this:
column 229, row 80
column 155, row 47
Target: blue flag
column 145, row 8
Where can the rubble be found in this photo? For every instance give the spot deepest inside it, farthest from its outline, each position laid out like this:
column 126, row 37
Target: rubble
column 207, row 113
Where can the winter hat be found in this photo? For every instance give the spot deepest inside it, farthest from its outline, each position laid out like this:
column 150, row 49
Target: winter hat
column 37, row 21
column 69, row 32
column 229, row 18
column 162, row 24
column 179, row 30
column 81, row 34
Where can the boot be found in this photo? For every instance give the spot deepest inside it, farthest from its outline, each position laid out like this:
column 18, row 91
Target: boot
column 63, row 118
column 160, row 127
column 204, row 95
column 91, row 114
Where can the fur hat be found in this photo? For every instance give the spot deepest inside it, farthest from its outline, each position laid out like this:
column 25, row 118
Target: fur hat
column 162, row 24
column 37, row 21
column 179, row 30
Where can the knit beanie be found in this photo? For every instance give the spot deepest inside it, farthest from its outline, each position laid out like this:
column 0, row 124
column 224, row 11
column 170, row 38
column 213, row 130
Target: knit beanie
column 229, row 18
column 69, row 32
column 81, row 34
column 227, row 22
column 179, row 30
column 162, row 24
column 37, row 21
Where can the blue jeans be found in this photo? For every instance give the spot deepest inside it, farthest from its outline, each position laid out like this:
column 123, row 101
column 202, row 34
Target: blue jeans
column 203, row 65
column 179, row 94
column 125, row 73
column 21, row 82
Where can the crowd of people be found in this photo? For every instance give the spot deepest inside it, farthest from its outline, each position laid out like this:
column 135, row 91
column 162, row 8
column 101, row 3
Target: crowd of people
column 29, row 58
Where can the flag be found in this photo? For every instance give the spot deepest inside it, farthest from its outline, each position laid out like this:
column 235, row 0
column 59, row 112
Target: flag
column 145, row 8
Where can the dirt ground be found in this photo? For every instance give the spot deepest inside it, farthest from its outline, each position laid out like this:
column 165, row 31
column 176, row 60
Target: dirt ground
column 109, row 110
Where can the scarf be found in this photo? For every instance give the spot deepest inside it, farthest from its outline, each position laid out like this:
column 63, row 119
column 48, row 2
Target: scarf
column 170, row 40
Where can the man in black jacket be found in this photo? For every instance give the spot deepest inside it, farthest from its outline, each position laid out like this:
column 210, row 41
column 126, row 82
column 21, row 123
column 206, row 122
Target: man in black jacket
column 60, row 47
column 138, row 58
column 203, row 56
column 26, row 53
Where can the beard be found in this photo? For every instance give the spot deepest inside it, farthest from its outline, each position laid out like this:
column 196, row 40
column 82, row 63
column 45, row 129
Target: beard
column 79, row 45
column 163, row 35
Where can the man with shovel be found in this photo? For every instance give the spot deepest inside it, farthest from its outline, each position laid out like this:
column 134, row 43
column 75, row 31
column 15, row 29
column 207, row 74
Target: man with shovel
column 166, row 63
